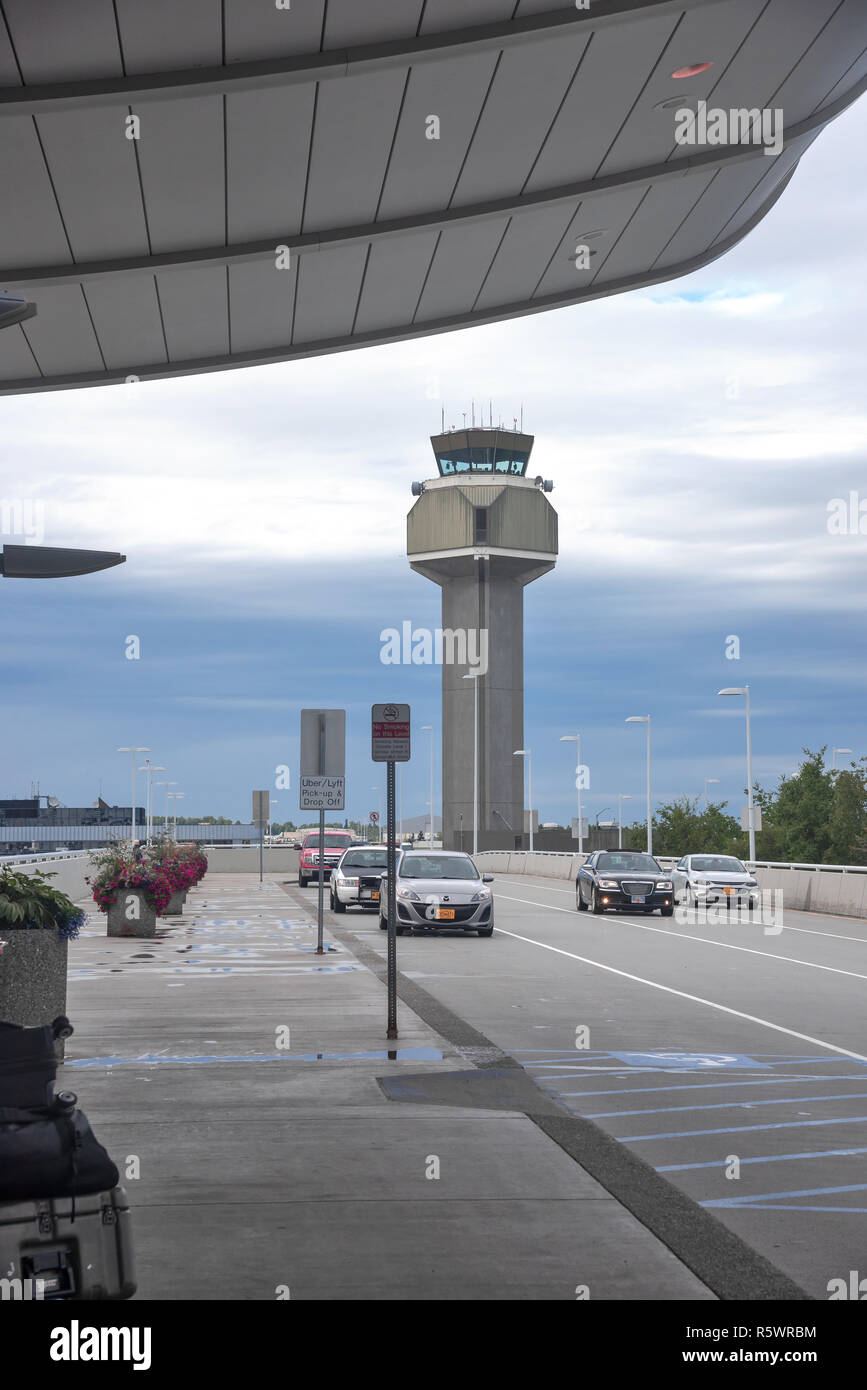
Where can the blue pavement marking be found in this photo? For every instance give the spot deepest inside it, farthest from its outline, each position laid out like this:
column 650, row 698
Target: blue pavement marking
column 745, row 1129
column 695, row 1085
column 777, row 1196
column 721, row 1105
column 414, row 1054
column 768, row 1158
column 783, row 1206
column 691, row 1060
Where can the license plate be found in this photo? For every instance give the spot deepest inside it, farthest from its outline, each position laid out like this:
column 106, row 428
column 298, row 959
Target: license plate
column 637, row 900
column 727, row 891
column 375, row 897
column 446, row 914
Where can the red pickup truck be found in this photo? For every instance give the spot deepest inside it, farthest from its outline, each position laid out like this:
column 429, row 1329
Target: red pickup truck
column 336, row 841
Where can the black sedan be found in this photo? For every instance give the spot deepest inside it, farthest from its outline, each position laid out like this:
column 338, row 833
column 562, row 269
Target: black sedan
column 623, row 880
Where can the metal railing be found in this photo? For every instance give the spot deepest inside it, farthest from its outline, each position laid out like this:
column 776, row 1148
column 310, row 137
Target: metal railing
column 669, row 861
column 51, row 856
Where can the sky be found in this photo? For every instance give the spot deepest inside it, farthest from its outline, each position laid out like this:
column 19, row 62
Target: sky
column 696, row 433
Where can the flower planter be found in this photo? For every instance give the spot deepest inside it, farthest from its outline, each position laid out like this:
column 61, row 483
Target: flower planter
column 175, row 904
column 32, row 977
column 129, row 914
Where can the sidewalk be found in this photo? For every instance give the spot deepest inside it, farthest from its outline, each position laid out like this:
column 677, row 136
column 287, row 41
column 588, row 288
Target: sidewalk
column 266, row 1168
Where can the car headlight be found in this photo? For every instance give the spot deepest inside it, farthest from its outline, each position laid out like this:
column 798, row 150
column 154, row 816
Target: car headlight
column 752, row 883
column 482, row 894
column 701, row 882
column 664, row 885
column 608, row 883
column 347, row 882
column 407, row 893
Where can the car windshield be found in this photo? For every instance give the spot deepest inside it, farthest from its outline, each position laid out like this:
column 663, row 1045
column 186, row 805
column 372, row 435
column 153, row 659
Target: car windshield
column 716, row 864
column 364, row 859
column 331, row 842
column 626, row 862
column 437, row 866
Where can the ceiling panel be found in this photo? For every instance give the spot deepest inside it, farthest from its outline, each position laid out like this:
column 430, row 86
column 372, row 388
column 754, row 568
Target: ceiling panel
column 261, row 300
column 31, row 228
column 61, row 334
column 607, row 213
column 394, row 279
column 194, row 305
column 58, row 41
column 9, row 76
column 711, row 33
column 95, row 175
column 267, row 148
column 354, row 128
column 126, row 317
column 528, row 88
column 764, row 188
column 617, row 65
column 164, row 35
column 441, row 15
column 828, row 58
column 263, row 31
column 524, row 254
column 328, row 288
column 777, row 43
column 422, row 173
column 17, row 362
column 350, row 23
column 657, row 216
column 181, row 154
column 463, row 257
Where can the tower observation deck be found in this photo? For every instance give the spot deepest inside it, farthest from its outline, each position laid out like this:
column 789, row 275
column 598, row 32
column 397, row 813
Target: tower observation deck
column 482, row 530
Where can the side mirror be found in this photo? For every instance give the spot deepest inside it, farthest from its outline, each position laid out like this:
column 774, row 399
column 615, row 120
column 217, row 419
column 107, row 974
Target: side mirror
column 487, row 878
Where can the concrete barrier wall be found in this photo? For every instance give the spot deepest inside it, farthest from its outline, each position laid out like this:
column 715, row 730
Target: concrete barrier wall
column 276, row 860
column 804, row 890
column 68, row 875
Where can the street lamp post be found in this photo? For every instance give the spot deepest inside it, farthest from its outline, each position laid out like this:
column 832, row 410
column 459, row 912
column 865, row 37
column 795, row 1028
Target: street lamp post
column 176, row 797
column 707, row 782
column 166, row 785
column 527, row 753
column 150, row 768
column 576, row 739
column 621, row 797
column 645, row 719
column 840, row 750
column 133, row 751
column 474, row 677
column 745, row 690
column 428, row 729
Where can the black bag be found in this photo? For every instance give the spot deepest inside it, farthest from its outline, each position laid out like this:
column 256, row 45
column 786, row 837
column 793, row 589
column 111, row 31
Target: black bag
column 51, row 1152
column 28, row 1062
column 47, row 1148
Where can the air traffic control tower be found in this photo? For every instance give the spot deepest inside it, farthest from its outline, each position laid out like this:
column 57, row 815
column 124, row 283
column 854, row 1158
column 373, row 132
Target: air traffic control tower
column 482, row 529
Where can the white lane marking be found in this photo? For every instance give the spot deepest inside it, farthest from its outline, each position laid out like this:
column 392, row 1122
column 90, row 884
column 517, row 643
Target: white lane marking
column 681, row 994
column 808, row 931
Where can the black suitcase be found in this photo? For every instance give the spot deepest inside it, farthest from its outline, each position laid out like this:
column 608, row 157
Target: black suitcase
column 28, row 1062
column 89, row 1257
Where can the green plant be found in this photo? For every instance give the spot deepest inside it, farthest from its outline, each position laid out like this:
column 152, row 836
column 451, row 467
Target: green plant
column 28, row 902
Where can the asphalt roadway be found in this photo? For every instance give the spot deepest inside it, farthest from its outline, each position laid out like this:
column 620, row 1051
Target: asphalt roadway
column 731, row 1059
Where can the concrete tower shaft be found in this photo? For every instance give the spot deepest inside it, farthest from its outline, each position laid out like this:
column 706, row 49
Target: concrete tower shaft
column 482, row 534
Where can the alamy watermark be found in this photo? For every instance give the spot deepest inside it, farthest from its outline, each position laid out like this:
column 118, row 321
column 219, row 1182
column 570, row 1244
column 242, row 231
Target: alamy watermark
column 713, row 125
column 443, row 647
column 23, row 516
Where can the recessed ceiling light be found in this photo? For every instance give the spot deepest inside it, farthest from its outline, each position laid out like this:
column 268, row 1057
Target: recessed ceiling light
column 692, row 70
column 671, row 102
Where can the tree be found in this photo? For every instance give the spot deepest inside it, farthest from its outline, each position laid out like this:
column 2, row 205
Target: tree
column 848, row 820
column 801, row 810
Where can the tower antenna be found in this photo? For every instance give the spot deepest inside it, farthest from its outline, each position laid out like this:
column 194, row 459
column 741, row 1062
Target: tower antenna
column 443, row 430
column 473, row 406
column 522, row 418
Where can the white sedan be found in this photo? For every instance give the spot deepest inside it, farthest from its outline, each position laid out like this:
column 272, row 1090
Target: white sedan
column 356, row 879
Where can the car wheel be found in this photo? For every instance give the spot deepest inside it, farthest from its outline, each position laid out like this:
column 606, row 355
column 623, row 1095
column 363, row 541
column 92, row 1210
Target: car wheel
column 666, row 912
column 580, row 905
column 595, row 905
column 691, row 899
column 336, row 904
column 383, row 923
column 302, row 882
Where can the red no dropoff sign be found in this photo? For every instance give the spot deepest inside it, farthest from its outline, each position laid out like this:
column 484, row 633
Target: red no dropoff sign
column 390, row 740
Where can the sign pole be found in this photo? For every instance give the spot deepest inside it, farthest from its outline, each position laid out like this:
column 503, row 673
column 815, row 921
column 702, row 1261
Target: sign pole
column 320, row 950
column 392, row 909
column 261, row 848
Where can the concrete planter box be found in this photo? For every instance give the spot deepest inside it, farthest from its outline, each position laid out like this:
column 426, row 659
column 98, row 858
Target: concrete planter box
column 32, row 977
column 124, row 920
column 175, row 904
